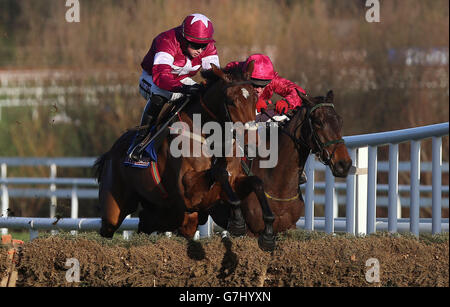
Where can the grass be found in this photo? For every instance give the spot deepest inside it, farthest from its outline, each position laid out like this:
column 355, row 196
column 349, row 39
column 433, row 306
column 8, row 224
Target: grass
column 298, row 234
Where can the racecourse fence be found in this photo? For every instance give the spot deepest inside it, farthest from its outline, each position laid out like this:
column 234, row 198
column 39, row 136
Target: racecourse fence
column 362, row 193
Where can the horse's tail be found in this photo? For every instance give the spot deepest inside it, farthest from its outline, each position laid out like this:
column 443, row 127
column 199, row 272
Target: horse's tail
column 98, row 166
column 120, row 146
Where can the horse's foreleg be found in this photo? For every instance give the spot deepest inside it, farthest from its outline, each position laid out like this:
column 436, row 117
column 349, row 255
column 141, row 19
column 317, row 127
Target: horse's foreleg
column 246, row 185
column 220, row 175
column 266, row 240
column 236, row 224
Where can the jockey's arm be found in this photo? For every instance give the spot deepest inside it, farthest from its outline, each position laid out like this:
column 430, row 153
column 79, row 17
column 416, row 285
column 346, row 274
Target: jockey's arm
column 286, row 89
column 209, row 57
column 165, row 79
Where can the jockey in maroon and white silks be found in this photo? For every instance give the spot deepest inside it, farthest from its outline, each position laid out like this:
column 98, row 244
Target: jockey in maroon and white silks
column 174, row 57
column 266, row 82
column 168, row 65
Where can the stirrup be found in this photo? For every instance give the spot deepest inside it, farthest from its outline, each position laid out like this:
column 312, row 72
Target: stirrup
column 134, row 154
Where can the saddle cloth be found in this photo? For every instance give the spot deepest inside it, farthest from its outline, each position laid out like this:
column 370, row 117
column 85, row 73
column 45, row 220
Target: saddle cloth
column 149, row 154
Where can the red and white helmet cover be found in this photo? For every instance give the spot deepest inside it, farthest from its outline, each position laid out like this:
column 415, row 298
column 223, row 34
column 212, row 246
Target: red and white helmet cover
column 263, row 68
column 197, row 28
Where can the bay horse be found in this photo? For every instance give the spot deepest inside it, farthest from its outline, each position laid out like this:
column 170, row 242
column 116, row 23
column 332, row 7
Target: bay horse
column 314, row 127
column 187, row 185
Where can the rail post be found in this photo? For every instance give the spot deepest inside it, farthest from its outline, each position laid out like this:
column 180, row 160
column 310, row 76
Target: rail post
column 393, row 188
column 206, row 229
column 5, row 197
column 414, row 210
column 361, row 187
column 74, row 206
column 372, row 190
column 351, row 191
column 309, row 193
column 436, row 183
column 53, row 199
column 329, row 201
column 127, row 233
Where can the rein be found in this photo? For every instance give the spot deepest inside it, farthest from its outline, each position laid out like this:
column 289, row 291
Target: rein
column 210, row 113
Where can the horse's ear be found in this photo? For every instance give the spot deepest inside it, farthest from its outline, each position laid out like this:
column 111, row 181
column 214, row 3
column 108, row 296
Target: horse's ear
column 249, row 71
column 330, row 96
column 304, row 97
column 219, row 73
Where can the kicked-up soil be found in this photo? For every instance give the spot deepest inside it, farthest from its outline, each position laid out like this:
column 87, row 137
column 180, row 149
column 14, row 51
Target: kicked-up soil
column 300, row 259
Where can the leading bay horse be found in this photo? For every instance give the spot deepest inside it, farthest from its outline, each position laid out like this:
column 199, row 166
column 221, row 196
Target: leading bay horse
column 186, row 184
column 314, row 127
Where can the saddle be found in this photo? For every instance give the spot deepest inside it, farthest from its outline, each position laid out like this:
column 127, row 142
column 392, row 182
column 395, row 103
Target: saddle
column 158, row 133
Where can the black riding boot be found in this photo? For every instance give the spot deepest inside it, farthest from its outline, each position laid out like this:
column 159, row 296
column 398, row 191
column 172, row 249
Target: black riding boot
column 149, row 116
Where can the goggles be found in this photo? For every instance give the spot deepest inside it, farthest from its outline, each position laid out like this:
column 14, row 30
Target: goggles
column 259, row 82
column 197, row 46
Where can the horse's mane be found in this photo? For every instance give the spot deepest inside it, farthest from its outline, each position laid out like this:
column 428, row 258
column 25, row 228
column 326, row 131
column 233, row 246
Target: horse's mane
column 210, row 77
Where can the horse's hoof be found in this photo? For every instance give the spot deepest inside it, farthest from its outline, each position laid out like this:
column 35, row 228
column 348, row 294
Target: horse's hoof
column 236, row 229
column 266, row 243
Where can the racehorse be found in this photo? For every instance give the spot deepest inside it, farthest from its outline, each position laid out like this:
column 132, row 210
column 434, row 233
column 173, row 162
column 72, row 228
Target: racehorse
column 314, row 127
column 174, row 190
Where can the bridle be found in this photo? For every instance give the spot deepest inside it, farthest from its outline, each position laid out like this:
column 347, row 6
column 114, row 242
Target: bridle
column 321, row 147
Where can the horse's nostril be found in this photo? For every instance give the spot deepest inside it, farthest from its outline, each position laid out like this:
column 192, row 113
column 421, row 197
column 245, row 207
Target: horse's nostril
column 342, row 167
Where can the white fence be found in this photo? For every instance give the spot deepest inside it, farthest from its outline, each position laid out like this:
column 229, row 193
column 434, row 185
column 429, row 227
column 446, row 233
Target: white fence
column 360, row 200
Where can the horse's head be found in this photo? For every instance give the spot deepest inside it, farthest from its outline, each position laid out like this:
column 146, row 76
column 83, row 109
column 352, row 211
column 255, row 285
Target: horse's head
column 317, row 126
column 233, row 93
column 231, row 97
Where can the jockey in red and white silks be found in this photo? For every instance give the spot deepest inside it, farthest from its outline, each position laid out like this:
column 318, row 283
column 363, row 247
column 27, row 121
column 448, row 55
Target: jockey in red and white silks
column 174, row 57
column 266, row 82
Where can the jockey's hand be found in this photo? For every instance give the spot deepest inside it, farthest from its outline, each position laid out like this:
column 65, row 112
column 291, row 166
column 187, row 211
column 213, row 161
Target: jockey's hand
column 261, row 104
column 191, row 89
column 281, row 106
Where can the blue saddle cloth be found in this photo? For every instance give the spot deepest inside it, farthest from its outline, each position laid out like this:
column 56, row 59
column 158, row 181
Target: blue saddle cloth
column 149, row 154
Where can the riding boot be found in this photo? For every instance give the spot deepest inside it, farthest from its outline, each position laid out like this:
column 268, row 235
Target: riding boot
column 302, row 178
column 149, row 116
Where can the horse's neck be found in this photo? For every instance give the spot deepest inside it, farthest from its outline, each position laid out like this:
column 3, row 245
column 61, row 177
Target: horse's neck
column 287, row 167
column 204, row 107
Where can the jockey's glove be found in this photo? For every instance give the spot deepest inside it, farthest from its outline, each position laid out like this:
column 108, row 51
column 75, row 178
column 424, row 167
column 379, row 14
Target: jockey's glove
column 281, row 106
column 191, row 89
column 261, row 104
